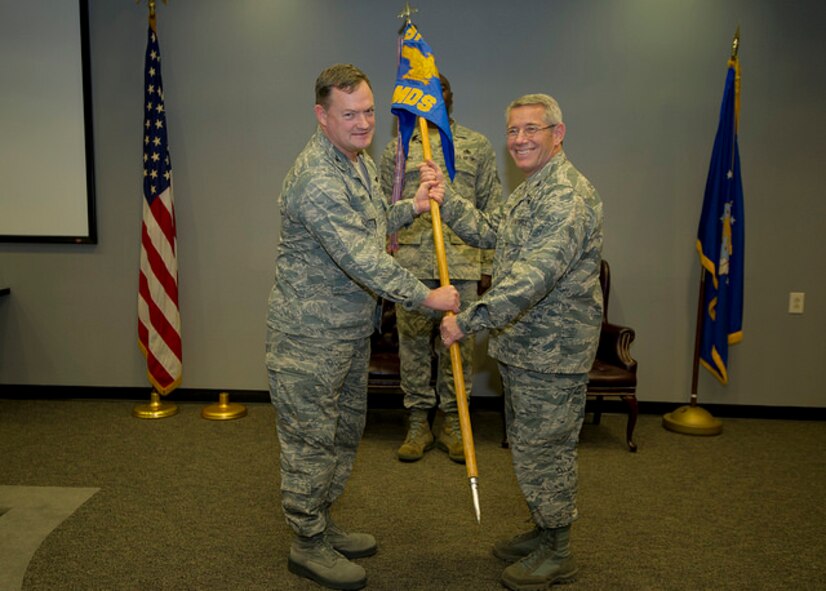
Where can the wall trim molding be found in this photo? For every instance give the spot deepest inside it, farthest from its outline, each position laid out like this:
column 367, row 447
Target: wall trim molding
column 383, row 400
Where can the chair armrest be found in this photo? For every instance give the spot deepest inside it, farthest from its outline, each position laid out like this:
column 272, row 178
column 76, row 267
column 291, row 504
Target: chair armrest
column 615, row 346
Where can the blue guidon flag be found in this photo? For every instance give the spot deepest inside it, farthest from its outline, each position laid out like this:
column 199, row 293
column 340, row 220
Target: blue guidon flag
column 720, row 238
column 418, row 93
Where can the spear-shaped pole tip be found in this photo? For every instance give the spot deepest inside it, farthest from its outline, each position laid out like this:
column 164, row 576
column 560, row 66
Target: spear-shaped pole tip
column 474, row 490
column 735, row 43
column 407, row 12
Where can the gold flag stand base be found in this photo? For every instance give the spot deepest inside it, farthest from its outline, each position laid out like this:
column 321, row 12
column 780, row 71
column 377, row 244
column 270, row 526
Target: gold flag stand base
column 224, row 410
column 155, row 409
column 692, row 420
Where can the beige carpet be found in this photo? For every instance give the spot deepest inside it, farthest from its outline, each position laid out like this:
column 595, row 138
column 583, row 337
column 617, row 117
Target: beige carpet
column 27, row 515
column 187, row 504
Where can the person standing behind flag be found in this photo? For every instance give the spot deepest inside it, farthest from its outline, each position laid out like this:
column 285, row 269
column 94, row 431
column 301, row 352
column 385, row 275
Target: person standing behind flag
column 331, row 267
column 544, row 311
column 477, row 179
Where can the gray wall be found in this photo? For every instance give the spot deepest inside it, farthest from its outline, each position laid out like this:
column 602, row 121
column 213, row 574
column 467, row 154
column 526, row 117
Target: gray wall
column 640, row 84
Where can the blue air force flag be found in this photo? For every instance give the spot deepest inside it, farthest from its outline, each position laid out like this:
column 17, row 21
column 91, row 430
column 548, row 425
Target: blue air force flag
column 720, row 238
column 418, row 93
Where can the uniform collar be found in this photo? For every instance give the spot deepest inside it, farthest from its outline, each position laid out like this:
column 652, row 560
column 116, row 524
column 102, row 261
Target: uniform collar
column 333, row 153
column 546, row 171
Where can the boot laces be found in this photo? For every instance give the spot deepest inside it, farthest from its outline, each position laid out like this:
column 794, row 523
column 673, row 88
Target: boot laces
column 541, row 553
column 333, row 531
column 417, row 428
column 328, row 553
column 535, row 558
column 453, row 426
column 323, row 551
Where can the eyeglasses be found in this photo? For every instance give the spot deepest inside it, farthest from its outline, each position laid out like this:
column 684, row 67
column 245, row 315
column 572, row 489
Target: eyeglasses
column 528, row 130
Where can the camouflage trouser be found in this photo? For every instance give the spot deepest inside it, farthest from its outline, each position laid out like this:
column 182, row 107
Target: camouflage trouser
column 544, row 414
column 319, row 389
column 418, row 340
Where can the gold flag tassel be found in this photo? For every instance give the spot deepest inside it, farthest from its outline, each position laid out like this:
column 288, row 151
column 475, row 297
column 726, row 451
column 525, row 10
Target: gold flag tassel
column 455, row 353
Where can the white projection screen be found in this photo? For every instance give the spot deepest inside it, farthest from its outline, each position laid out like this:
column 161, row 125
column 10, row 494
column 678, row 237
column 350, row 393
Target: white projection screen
column 46, row 148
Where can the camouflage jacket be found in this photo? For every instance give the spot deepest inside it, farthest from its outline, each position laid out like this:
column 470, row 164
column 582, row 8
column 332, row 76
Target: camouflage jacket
column 477, row 179
column 544, row 308
column 332, row 262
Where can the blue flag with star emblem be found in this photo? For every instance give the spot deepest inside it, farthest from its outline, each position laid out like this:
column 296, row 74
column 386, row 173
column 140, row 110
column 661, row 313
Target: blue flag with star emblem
column 720, row 239
column 418, row 93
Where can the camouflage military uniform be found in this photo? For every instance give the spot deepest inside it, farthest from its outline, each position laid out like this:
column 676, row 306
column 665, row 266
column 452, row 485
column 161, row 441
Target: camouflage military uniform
column 330, row 268
column 544, row 311
column 477, row 179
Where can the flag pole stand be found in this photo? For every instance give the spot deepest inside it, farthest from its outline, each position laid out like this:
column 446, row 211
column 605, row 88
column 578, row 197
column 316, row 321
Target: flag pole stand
column 155, row 409
column 224, row 410
column 691, row 419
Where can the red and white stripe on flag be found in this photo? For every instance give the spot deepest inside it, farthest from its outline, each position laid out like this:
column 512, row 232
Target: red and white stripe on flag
column 159, row 318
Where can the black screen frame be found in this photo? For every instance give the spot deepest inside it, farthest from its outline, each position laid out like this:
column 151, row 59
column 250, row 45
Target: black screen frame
column 91, row 236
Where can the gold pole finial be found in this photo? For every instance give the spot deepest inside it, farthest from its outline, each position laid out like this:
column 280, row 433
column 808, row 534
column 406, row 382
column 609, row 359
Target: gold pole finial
column 735, row 47
column 151, row 5
column 407, row 12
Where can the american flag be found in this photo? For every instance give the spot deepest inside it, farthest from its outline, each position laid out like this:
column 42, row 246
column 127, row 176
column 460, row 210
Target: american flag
column 159, row 318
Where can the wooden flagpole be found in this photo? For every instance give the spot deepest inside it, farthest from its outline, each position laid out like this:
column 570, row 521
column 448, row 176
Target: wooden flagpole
column 455, row 353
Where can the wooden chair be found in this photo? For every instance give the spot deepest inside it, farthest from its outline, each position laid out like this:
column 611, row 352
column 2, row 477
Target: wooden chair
column 614, row 373
column 384, row 374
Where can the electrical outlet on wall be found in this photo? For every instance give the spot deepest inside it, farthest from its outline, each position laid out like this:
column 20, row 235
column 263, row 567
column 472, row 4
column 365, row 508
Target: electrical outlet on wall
column 797, row 300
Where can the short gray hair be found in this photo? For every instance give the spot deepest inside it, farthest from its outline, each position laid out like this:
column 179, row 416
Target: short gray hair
column 553, row 114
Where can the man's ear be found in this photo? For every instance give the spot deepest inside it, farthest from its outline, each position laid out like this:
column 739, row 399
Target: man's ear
column 321, row 115
column 559, row 131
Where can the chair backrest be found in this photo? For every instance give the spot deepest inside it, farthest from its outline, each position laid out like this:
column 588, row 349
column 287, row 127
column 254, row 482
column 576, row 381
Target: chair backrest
column 605, row 284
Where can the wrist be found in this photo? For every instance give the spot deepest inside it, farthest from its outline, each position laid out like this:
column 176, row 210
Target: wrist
column 462, row 325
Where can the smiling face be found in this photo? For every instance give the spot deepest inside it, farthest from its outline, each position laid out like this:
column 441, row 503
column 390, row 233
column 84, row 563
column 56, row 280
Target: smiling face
column 531, row 152
column 349, row 119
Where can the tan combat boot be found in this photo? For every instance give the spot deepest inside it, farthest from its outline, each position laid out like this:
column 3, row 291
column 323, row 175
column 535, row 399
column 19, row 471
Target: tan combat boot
column 315, row 559
column 550, row 563
column 450, row 438
column 350, row 544
column 419, row 438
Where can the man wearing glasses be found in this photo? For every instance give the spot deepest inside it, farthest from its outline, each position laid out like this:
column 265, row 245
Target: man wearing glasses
column 544, row 311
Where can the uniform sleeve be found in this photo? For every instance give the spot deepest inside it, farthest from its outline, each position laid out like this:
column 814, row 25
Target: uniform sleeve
column 554, row 243
column 400, row 214
column 488, row 194
column 473, row 226
column 351, row 242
